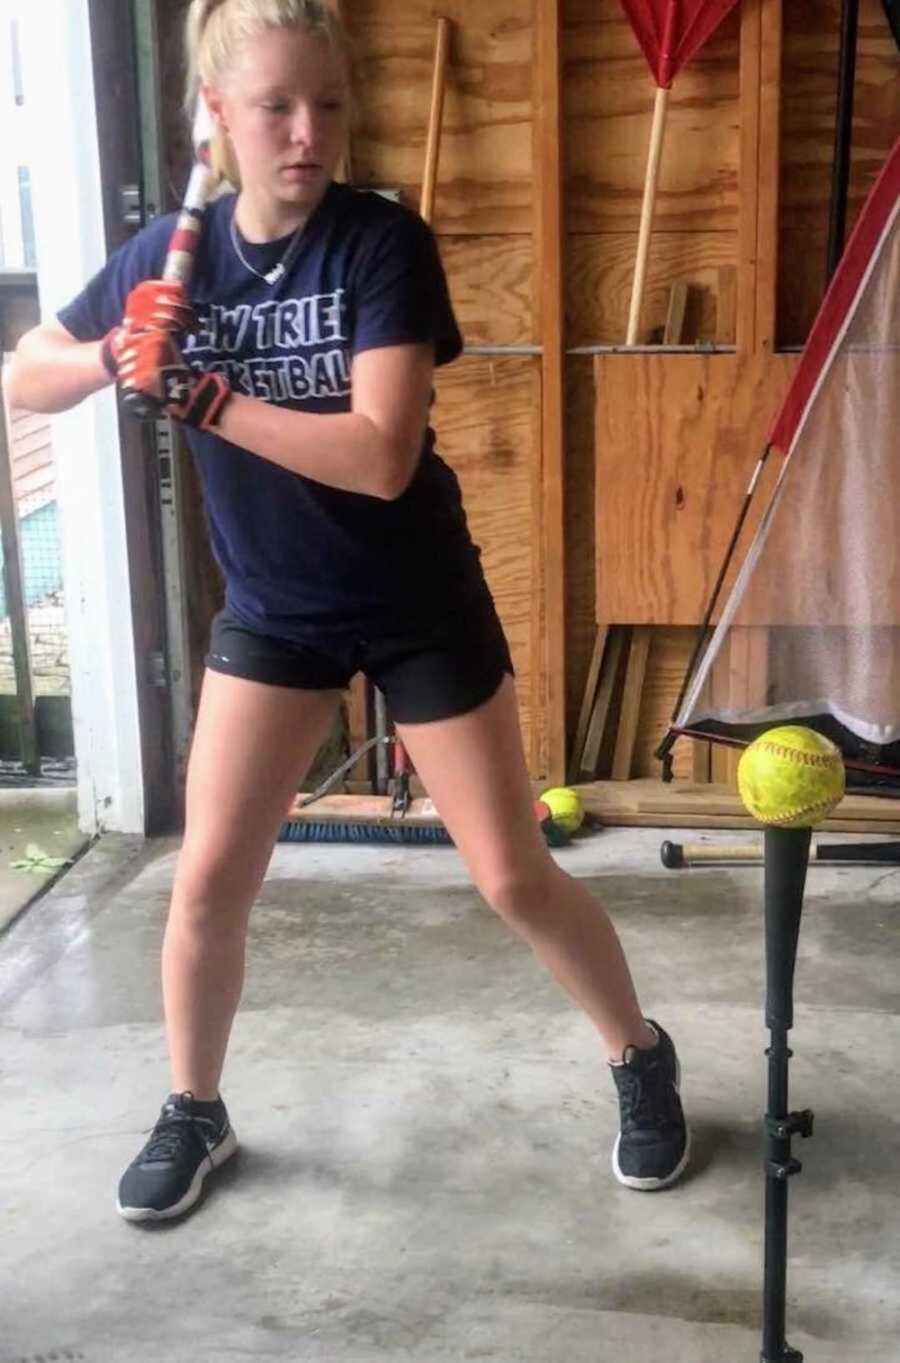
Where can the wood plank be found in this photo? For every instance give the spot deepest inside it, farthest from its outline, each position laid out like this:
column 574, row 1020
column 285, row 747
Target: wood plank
column 748, row 223
column 602, row 703
column 631, row 703
column 748, row 673
column 358, row 727
column 614, row 819
column 587, row 705
column 485, row 417
column 581, row 628
column 726, row 305
column 721, row 800
column 701, row 761
column 663, row 526
column 653, row 804
column 673, row 332
column 356, row 809
column 768, row 174
column 598, row 282
column 670, row 651
column 549, row 306
column 491, row 287
column 721, row 766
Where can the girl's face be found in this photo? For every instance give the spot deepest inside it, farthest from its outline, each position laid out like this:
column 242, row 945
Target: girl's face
column 285, row 103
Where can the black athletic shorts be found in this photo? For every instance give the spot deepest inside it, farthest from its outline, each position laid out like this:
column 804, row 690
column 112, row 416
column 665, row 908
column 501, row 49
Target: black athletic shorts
column 447, row 667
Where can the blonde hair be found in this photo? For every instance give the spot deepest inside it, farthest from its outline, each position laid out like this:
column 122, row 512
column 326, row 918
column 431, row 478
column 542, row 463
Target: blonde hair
column 214, row 30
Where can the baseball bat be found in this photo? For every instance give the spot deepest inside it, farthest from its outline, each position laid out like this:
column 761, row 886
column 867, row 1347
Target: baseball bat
column 675, row 855
column 186, row 234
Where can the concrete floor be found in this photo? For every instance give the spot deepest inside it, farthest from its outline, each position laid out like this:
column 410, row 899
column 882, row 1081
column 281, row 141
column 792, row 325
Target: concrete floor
column 426, row 1124
column 43, row 819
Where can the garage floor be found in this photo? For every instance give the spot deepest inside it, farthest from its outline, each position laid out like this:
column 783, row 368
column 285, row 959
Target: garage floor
column 426, row 1124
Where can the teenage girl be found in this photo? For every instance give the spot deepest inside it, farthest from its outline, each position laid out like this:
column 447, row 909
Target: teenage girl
column 301, row 365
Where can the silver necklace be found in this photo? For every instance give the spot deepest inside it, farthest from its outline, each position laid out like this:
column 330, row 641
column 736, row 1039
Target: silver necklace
column 277, row 271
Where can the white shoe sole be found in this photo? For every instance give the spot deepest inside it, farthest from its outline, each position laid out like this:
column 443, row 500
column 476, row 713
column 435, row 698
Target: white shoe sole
column 651, row 1185
column 217, row 1157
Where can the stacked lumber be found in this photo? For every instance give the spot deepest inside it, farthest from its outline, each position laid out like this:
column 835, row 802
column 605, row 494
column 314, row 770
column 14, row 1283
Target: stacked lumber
column 684, row 804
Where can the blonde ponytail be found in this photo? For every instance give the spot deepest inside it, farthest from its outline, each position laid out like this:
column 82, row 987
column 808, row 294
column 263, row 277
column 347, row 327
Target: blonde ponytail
column 215, row 28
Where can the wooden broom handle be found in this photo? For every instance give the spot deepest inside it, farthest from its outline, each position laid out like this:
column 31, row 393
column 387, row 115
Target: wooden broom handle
column 435, row 117
column 650, row 183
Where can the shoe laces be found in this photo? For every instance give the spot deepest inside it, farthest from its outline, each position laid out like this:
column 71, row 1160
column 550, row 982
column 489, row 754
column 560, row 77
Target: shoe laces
column 646, row 1097
column 176, row 1126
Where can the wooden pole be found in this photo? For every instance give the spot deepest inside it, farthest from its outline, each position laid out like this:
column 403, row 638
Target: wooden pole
column 651, row 181
column 435, row 119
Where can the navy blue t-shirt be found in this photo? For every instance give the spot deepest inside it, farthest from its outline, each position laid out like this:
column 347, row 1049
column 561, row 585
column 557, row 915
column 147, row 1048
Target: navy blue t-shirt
column 300, row 557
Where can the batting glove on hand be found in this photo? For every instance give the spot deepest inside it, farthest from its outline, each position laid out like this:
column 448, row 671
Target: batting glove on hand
column 160, row 305
column 150, row 363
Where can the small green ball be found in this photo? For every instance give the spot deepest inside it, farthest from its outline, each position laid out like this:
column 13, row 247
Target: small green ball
column 566, row 809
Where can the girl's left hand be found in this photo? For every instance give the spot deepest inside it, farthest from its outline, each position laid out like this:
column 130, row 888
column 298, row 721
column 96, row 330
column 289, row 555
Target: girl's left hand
column 150, row 362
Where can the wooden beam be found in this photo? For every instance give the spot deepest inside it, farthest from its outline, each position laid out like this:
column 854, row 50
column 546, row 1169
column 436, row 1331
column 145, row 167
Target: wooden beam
column 587, row 704
column 769, row 159
column 760, row 104
column 673, row 332
column 16, row 605
column 748, row 174
column 548, row 232
column 602, row 703
column 632, row 695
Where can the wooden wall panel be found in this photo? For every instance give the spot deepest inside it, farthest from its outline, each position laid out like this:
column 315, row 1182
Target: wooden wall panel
column 491, row 287
column 609, row 100
column 580, row 569
column 484, row 217
column 486, row 183
column 485, row 418
column 811, row 41
column 670, row 653
column 599, row 283
column 677, row 440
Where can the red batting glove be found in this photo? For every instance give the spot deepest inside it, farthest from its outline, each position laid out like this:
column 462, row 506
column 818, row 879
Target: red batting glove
column 149, row 362
column 160, row 305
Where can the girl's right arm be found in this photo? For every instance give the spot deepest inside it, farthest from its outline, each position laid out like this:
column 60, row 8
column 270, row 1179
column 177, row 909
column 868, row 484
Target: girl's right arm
column 51, row 371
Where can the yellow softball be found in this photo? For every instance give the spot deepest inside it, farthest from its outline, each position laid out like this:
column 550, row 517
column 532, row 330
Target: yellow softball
column 566, row 809
column 791, row 776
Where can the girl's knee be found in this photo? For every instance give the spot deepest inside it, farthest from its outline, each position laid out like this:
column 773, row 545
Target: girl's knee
column 522, row 895
column 210, row 889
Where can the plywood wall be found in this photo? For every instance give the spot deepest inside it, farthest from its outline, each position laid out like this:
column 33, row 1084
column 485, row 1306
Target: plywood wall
column 608, row 104
column 486, row 209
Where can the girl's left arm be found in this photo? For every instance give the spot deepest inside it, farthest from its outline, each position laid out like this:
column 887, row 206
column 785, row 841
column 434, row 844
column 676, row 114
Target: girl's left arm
column 372, row 449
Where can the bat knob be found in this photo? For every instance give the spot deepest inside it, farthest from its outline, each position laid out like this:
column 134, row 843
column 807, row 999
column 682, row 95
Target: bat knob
column 671, row 854
column 140, row 405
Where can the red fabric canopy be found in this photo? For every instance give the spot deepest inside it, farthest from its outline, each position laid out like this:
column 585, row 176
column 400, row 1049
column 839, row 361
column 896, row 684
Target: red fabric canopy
column 840, row 301
column 671, row 31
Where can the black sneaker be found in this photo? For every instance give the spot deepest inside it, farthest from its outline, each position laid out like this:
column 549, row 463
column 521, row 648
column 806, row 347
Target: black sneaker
column 654, row 1142
column 189, row 1141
